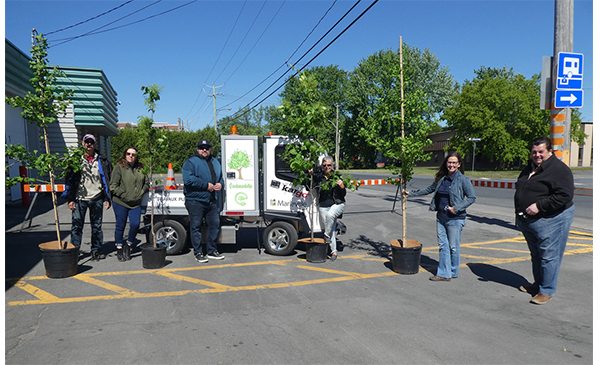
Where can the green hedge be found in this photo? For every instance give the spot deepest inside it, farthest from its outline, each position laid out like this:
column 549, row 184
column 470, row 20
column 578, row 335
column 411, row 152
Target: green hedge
column 181, row 146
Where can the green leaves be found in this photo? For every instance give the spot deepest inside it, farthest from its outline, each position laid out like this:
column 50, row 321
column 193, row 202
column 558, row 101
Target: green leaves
column 55, row 164
column 502, row 108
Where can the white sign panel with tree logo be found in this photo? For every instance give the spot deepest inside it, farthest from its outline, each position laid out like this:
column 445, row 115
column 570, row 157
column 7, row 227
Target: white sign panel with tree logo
column 240, row 165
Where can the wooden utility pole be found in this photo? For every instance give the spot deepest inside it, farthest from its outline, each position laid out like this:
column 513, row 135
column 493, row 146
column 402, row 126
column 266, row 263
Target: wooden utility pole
column 214, row 96
column 560, row 119
column 337, row 137
column 403, row 182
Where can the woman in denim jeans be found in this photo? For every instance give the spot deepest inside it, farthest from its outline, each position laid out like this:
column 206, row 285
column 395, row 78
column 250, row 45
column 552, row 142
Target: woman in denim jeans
column 545, row 212
column 453, row 194
column 128, row 185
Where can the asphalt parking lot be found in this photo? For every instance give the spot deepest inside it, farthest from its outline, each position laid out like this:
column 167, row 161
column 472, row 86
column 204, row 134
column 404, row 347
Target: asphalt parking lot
column 256, row 308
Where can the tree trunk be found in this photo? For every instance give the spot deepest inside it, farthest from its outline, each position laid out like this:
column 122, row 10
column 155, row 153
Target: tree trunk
column 54, row 200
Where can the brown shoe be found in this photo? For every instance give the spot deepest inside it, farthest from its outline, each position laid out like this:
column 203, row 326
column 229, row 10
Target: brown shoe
column 540, row 299
column 438, row 278
column 531, row 289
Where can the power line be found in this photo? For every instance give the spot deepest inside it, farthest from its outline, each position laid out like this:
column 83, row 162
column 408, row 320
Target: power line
column 95, row 31
column 246, row 109
column 85, row 21
column 285, row 63
column 217, row 60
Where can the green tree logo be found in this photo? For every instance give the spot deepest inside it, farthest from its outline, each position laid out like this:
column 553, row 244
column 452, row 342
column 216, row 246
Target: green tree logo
column 238, row 161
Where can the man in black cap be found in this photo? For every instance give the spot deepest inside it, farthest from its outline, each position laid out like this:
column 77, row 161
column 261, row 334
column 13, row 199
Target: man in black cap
column 203, row 180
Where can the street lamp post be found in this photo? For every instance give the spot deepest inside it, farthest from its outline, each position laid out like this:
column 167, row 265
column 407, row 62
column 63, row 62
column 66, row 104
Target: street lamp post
column 474, row 140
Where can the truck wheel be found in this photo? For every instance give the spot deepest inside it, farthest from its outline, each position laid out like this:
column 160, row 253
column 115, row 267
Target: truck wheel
column 172, row 233
column 280, row 238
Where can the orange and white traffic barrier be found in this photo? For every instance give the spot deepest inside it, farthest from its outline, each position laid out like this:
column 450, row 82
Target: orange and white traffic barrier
column 59, row 188
column 170, row 179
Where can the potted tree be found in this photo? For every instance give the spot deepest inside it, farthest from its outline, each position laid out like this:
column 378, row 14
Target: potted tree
column 43, row 106
column 152, row 141
column 401, row 139
column 304, row 118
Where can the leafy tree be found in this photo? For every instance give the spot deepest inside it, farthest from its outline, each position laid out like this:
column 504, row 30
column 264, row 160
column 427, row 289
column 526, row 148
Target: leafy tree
column 398, row 126
column 332, row 82
column 44, row 106
column 502, row 108
column 373, row 82
column 152, row 142
column 239, row 160
column 305, row 117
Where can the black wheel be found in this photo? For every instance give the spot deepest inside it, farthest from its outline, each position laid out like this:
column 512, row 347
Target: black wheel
column 172, row 233
column 280, row 238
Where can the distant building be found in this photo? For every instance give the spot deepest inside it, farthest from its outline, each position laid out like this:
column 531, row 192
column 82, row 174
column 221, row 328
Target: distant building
column 581, row 155
column 93, row 110
column 165, row 126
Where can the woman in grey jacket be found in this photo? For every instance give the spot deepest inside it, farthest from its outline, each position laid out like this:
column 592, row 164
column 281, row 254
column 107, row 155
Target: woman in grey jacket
column 128, row 185
column 453, row 194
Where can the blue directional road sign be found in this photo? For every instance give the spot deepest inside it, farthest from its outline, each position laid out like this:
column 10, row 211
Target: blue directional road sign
column 570, row 71
column 568, row 99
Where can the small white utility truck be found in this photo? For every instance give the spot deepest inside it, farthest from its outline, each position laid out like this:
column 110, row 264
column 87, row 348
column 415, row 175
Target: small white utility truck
column 258, row 192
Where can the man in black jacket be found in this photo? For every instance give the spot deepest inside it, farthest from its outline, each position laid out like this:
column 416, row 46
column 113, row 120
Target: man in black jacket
column 89, row 188
column 545, row 212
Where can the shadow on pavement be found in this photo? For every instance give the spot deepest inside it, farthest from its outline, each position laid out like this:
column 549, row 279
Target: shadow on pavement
column 487, row 272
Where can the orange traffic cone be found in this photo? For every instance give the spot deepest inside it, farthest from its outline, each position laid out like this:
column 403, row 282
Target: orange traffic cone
column 170, row 179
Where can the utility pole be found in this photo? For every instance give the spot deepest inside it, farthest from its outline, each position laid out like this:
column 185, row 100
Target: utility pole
column 560, row 119
column 214, row 96
column 337, row 136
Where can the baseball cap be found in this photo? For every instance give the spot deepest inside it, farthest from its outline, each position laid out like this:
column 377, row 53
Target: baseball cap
column 89, row 136
column 203, row 142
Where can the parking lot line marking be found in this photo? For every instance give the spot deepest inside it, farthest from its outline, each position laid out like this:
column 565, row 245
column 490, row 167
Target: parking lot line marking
column 337, row 272
column 87, row 278
column 173, row 276
column 43, row 297
column 35, row 291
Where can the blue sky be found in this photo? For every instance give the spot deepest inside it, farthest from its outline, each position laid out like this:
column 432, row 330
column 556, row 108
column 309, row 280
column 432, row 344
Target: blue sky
column 236, row 45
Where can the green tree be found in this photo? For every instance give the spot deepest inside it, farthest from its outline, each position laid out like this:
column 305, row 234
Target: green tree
column 152, row 142
column 239, row 160
column 398, row 126
column 43, row 107
column 373, row 82
column 305, row 118
column 332, row 82
column 502, row 108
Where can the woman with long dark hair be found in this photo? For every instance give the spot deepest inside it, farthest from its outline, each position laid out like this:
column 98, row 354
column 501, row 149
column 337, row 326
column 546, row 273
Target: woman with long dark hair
column 453, row 194
column 128, row 185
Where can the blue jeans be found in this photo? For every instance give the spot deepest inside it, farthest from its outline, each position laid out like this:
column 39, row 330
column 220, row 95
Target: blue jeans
column 547, row 240
column 209, row 211
column 449, row 233
column 121, row 214
column 78, row 218
column 328, row 216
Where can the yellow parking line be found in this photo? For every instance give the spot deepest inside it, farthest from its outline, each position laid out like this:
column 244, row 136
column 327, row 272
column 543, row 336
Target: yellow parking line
column 117, row 289
column 44, row 297
column 173, row 276
column 35, row 291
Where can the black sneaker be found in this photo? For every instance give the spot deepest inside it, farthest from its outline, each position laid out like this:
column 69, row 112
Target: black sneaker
column 215, row 256
column 126, row 252
column 120, row 256
column 97, row 256
column 200, row 257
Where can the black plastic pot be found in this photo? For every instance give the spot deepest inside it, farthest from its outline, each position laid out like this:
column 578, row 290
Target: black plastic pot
column 316, row 251
column 153, row 258
column 59, row 263
column 406, row 260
